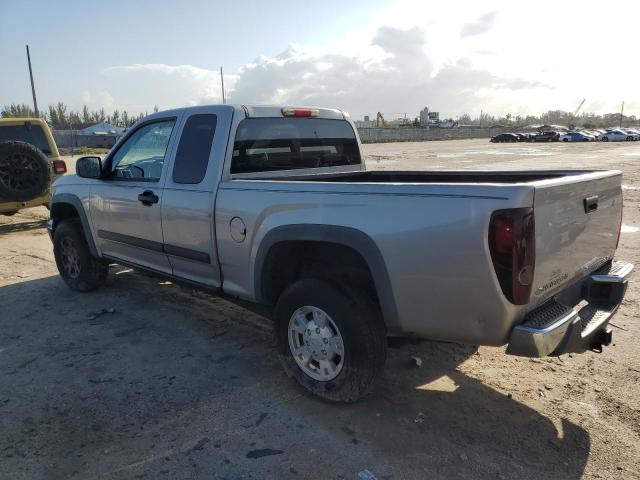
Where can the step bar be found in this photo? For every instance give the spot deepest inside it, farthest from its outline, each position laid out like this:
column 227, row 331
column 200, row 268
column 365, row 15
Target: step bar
column 555, row 328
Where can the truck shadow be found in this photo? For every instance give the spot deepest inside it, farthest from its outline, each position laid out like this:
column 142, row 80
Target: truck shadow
column 141, row 368
column 7, row 228
column 461, row 427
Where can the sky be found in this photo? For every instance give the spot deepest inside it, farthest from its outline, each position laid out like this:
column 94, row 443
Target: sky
column 395, row 57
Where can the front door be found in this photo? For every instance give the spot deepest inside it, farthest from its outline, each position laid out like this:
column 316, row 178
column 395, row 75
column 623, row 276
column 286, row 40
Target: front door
column 126, row 205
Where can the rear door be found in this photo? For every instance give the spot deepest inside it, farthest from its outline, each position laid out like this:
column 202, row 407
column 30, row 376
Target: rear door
column 577, row 220
column 126, row 206
column 189, row 195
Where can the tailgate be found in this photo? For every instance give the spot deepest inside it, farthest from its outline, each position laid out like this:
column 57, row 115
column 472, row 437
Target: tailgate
column 577, row 219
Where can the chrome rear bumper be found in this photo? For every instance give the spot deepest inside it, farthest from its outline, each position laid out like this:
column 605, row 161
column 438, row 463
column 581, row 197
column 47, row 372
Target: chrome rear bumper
column 556, row 328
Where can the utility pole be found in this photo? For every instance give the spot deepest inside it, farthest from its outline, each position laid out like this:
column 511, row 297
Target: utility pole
column 222, row 82
column 481, row 113
column 621, row 112
column 33, row 88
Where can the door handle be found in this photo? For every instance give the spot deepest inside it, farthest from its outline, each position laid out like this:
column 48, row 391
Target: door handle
column 590, row 204
column 148, row 198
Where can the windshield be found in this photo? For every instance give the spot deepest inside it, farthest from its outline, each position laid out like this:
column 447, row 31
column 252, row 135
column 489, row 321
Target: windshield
column 27, row 132
column 271, row 144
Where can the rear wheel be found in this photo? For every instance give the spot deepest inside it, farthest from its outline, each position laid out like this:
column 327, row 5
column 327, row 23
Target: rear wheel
column 78, row 268
column 331, row 340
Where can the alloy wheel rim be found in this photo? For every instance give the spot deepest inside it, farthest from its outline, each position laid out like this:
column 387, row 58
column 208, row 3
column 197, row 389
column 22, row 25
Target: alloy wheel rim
column 70, row 257
column 316, row 343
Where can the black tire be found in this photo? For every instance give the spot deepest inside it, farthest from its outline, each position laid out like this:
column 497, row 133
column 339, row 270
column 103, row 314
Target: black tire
column 25, row 172
column 78, row 268
column 363, row 333
column 605, row 139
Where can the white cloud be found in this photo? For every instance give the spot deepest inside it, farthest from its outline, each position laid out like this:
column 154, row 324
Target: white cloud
column 102, row 99
column 166, row 86
column 401, row 79
column 398, row 77
column 482, row 24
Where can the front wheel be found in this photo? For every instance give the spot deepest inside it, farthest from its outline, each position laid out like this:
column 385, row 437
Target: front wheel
column 331, row 340
column 78, row 268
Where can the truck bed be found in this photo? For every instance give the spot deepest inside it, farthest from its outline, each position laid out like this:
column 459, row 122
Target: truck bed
column 505, row 177
column 432, row 229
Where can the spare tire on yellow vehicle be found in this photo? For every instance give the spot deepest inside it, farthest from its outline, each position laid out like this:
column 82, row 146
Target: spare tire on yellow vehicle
column 25, row 172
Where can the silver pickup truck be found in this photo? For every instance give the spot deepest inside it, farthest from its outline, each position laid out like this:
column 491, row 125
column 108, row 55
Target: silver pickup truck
column 274, row 206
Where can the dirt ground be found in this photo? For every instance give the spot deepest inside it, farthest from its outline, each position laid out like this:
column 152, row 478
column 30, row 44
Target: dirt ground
column 144, row 379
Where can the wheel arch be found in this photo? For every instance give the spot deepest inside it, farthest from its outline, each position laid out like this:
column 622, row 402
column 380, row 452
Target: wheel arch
column 350, row 241
column 65, row 206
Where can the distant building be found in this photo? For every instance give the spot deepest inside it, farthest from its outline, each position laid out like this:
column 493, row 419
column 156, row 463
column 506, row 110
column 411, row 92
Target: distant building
column 104, row 129
column 101, row 135
column 428, row 117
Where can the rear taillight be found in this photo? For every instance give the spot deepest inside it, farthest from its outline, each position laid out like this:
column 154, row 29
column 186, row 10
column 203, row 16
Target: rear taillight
column 59, row 167
column 512, row 243
column 300, row 112
column 620, row 222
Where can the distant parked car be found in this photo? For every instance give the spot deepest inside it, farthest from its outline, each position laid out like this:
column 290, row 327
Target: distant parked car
column 577, row 137
column 524, row 137
column 29, row 163
column 594, row 133
column 616, row 136
column 632, row 131
column 549, row 136
column 505, row 138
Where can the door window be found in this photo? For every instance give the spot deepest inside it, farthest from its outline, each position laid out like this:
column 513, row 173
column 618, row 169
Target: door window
column 141, row 156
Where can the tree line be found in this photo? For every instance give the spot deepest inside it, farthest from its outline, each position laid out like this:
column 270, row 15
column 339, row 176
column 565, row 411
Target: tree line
column 60, row 117
column 551, row 117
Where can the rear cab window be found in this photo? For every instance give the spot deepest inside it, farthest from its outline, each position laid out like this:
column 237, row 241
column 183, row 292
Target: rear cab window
column 276, row 144
column 194, row 148
column 28, row 133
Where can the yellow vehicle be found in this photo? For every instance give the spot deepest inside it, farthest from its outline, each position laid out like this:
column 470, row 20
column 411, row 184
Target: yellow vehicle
column 29, row 163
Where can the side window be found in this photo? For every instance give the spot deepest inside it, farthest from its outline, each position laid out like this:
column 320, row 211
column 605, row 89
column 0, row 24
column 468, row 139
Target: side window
column 141, row 156
column 193, row 152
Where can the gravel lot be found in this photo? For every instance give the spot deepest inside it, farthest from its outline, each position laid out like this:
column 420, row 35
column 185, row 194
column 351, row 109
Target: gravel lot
column 176, row 384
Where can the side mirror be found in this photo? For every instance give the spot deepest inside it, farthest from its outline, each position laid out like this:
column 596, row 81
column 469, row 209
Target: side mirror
column 89, row 167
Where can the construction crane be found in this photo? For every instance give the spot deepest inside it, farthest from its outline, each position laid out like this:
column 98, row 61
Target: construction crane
column 579, row 107
column 574, row 117
column 381, row 121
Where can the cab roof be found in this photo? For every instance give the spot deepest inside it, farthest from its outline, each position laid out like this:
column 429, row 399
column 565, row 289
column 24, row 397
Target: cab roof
column 260, row 111
column 21, row 120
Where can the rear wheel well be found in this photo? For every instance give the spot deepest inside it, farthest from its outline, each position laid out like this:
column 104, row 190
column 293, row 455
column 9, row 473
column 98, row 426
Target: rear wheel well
column 289, row 261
